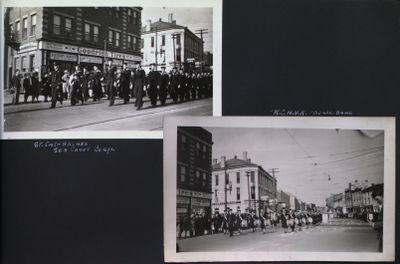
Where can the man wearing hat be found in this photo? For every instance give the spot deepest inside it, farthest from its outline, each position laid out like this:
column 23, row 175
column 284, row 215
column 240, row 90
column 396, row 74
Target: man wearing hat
column 55, row 86
column 182, row 85
column 110, row 78
column 175, row 85
column 85, row 83
column 139, row 80
column 152, row 85
column 125, row 82
column 163, row 84
column 16, row 83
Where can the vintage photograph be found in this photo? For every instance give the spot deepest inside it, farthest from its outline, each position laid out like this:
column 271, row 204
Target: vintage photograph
column 286, row 189
column 107, row 68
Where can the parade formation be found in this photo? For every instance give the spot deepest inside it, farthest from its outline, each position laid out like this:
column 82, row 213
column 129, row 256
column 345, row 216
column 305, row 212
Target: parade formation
column 84, row 83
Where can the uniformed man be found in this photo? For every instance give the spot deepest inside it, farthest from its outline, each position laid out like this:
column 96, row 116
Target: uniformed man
column 163, row 84
column 139, row 81
column 125, row 82
column 27, row 84
column 152, row 85
column 188, row 84
column 182, row 85
column 96, row 79
column 75, row 81
column 16, row 83
column 85, row 83
column 109, row 76
column 175, row 85
column 193, row 87
column 55, row 86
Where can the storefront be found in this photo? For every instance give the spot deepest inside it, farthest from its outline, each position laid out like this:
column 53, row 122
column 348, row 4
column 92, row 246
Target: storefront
column 192, row 202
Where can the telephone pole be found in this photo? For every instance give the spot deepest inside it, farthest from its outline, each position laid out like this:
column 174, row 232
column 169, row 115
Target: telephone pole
column 173, row 44
column 202, row 32
column 273, row 171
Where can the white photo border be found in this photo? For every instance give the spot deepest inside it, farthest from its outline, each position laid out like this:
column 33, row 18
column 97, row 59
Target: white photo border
column 216, row 5
column 170, row 153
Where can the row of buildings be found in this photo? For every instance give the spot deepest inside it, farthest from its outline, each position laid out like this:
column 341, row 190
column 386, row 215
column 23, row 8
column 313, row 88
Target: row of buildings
column 354, row 200
column 211, row 185
column 38, row 36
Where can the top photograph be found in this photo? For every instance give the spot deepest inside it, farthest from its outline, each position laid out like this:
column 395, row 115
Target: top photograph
column 107, row 68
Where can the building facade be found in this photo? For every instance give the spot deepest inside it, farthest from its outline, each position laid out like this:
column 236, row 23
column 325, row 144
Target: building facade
column 194, row 151
column 239, row 184
column 72, row 35
column 165, row 43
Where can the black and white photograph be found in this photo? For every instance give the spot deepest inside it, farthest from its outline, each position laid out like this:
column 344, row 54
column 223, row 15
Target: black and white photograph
column 109, row 68
column 319, row 187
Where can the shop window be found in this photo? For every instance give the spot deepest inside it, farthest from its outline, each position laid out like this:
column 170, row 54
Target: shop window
column 56, row 25
column 24, row 28
column 33, row 24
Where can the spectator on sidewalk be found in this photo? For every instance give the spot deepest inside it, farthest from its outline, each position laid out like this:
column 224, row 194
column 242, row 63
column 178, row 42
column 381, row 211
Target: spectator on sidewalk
column 377, row 195
column 16, row 84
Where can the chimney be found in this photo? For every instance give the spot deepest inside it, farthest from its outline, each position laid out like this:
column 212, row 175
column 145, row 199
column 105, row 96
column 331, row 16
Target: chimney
column 235, row 157
column 223, row 162
column 148, row 25
column 214, row 162
column 170, row 18
column 245, row 155
column 159, row 19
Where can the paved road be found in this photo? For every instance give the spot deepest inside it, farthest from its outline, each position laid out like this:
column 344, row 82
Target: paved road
column 317, row 239
column 97, row 115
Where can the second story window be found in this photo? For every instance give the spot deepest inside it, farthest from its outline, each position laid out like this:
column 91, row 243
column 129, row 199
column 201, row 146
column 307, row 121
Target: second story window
column 237, row 177
column 117, row 39
column 130, row 45
column 216, row 180
column 33, row 24
column 134, row 43
column 87, row 32
column 17, row 29
column 163, row 40
column 110, row 37
column 57, row 25
column 178, row 39
column 68, row 26
column 95, row 33
column 237, row 193
column 142, row 41
column 24, row 28
column 152, row 42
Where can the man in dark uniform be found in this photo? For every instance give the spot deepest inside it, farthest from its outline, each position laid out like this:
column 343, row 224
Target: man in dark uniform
column 16, row 83
column 27, row 84
column 231, row 222
column 193, row 87
column 377, row 195
column 175, row 85
column 188, row 84
column 85, row 83
column 139, row 80
column 109, row 75
column 152, row 85
column 163, row 84
column 125, row 82
column 76, row 86
column 55, row 86
column 182, row 85
column 96, row 79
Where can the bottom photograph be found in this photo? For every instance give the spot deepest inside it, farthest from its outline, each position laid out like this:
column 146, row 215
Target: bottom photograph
column 243, row 189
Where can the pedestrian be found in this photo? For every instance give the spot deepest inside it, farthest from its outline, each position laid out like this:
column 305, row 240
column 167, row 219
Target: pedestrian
column 46, row 87
column 193, row 86
column 182, row 85
column 35, row 86
column 96, row 80
column 65, row 84
column 225, row 222
column 188, row 84
column 27, row 84
column 231, row 222
column 16, row 85
column 152, row 85
column 139, row 81
column 175, row 85
column 56, row 86
column 252, row 221
column 163, row 81
column 125, row 82
column 110, row 79
column 75, row 82
column 263, row 221
column 284, row 221
column 85, row 77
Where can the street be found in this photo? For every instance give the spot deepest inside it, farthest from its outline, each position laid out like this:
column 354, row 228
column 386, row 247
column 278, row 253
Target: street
column 338, row 237
column 97, row 115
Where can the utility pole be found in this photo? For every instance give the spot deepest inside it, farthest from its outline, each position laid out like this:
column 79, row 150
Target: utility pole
column 273, row 171
column 248, row 186
column 202, row 32
column 105, row 52
column 156, row 48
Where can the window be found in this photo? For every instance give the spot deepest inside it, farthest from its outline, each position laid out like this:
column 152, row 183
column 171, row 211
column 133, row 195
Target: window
column 33, row 24
column 197, row 177
column 68, row 26
column 238, row 177
column 87, row 32
column 216, row 193
column 163, row 40
column 56, row 24
column 204, row 151
column 142, row 43
column 134, row 18
column 183, row 174
column 117, row 10
column 117, row 39
column 253, row 192
column 31, row 61
column 17, row 29
column 134, row 43
column 24, row 28
column 252, row 176
column 129, row 42
column 130, row 18
column 216, row 180
column 227, row 179
column 152, row 42
column 204, row 179
column 237, row 193
column 95, row 33
column 178, row 39
column 110, row 37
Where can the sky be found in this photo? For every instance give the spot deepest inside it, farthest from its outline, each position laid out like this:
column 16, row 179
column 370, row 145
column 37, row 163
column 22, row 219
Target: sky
column 194, row 18
column 307, row 158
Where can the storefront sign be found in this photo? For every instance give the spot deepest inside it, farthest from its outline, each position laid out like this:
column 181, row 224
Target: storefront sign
column 189, row 193
column 181, row 210
column 58, row 47
column 94, row 52
column 63, row 56
column 231, row 202
column 200, row 202
column 117, row 62
column 89, row 59
column 182, row 200
column 28, row 46
column 132, row 57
